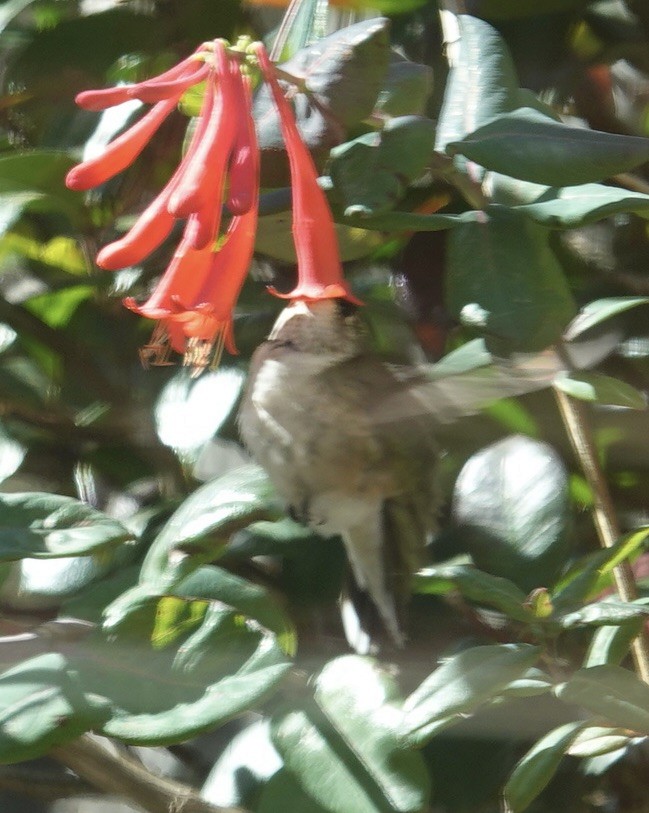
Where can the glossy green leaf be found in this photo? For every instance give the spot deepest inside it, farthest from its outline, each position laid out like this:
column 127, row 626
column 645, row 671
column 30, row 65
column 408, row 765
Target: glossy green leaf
column 511, row 500
column 344, row 749
column 527, row 144
column 482, row 84
column 406, row 88
column 566, row 207
column 591, row 575
column 610, row 692
column 598, row 311
column 214, row 584
column 502, row 268
column 596, row 740
column 475, row 585
column 174, row 667
column 371, row 173
column 603, row 612
column 190, row 411
column 538, row 767
column 462, row 684
column 610, row 644
column 42, row 526
column 200, row 529
column 42, row 705
column 602, row 389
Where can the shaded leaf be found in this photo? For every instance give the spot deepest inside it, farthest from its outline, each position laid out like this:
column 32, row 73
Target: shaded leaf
column 199, row 530
column 406, row 88
column 462, row 684
column 529, row 145
column 602, row 389
column 538, row 767
column 174, row 667
column 42, row 705
column 371, row 173
column 502, row 268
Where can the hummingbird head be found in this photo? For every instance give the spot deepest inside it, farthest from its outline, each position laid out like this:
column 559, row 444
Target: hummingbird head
column 330, row 327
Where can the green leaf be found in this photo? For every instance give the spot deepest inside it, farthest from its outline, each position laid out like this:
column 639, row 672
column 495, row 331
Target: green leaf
column 592, row 574
column 174, row 667
column 406, row 88
column 283, row 792
column 42, row 705
column 511, row 500
column 610, row 644
column 601, row 613
column 502, row 267
column 190, row 411
column 596, row 740
column 475, row 585
column 610, row 692
column 11, row 9
column 200, row 529
column 482, row 83
column 344, row 749
column 35, row 179
column 462, row 684
column 371, row 173
column 599, row 311
column 214, row 584
column 528, row 145
column 44, row 526
column 538, row 767
column 566, row 207
column 603, row 389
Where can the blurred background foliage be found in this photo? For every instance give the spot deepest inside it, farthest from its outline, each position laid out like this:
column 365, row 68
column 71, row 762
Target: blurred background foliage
column 81, row 417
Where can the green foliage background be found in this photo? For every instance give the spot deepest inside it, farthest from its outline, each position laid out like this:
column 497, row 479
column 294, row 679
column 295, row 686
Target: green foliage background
column 129, row 506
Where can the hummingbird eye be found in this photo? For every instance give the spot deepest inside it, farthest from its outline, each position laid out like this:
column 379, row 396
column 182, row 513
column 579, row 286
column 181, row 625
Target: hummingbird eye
column 346, row 308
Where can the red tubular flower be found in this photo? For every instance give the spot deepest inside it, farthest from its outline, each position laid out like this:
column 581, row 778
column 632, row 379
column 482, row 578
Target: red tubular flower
column 206, row 317
column 201, row 188
column 122, row 151
column 155, row 222
column 244, row 166
column 108, row 97
column 319, row 268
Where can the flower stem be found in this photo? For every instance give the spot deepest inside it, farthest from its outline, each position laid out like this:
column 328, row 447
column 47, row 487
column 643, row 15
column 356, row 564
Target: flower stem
column 575, row 420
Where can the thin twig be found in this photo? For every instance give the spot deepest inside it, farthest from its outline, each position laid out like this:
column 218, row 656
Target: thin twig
column 120, row 774
column 575, row 420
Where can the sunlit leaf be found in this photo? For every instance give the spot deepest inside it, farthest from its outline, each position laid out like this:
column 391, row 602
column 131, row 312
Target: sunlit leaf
column 344, row 749
column 462, row 684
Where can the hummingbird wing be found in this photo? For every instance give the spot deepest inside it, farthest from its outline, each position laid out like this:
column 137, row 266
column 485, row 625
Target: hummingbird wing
column 446, row 394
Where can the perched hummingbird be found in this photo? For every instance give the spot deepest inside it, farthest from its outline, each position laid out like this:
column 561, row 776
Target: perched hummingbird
column 349, row 442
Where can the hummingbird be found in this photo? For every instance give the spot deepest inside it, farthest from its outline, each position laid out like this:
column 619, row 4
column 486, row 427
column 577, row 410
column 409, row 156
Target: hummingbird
column 349, row 442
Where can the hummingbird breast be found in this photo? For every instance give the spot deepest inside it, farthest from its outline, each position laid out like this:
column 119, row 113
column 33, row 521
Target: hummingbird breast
column 308, row 420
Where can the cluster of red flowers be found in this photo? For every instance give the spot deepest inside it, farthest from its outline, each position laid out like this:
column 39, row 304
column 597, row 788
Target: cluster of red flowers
column 194, row 299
